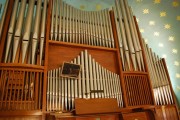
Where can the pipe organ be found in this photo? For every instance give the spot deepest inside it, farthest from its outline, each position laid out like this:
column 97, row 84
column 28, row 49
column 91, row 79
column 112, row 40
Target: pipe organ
column 69, row 24
column 93, row 77
column 120, row 76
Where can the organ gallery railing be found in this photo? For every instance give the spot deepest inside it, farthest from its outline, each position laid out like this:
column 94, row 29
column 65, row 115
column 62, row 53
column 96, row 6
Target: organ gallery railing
column 20, row 89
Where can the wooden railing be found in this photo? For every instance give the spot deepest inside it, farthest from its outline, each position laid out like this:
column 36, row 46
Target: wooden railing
column 20, row 89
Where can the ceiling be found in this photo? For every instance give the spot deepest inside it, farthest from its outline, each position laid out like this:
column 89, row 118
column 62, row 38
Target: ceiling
column 159, row 23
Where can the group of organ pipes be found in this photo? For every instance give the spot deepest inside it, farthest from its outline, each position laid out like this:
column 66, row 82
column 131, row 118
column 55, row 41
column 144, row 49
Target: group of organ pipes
column 158, row 76
column 26, row 34
column 69, row 24
column 130, row 49
column 94, row 81
column 25, row 44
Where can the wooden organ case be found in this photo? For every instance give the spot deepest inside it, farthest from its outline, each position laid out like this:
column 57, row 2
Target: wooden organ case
column 120, row 76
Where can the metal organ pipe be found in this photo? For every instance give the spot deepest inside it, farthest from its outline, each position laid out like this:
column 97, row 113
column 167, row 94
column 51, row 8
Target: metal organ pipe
column 41, row 47
column 70, row 23
column 60, row 18
column 36, row 31
column 18, row 29
column 3, row 16
column 52, row 20
column 56, row 19
column 27, row 30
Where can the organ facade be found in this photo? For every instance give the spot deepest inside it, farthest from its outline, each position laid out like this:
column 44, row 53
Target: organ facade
column 119, row 76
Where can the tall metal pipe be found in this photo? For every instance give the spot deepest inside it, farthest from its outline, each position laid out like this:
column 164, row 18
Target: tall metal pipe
column 41, row 47
column 60, row 19
column 52, row 20
column 27, row 29
column 36, row 30
column 87, row 74
column 94, row 77
column 79, row 81
column 11, row 29
column 18, row 29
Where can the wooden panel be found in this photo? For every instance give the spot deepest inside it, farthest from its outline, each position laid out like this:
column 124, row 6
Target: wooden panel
column 21, row 118
column 100, row 117
column 135, row 116
column 170, row 112
column 173, row 113
column 137, row 89
column 59, row 54
column 89, row 118
column 90, row 106
column 159, row 114
column 110, row 117
column 166, row 112
column 66, row 119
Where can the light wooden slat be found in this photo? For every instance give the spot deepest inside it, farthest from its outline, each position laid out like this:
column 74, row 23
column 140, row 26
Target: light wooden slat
column 133, row 79
column 140, row 91
column 136, row 87
column 36, row 90
column 6, row 89
column 14, row 88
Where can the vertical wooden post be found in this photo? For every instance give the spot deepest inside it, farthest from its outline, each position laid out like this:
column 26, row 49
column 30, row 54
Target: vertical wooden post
column 118, row 58
column 48, row 25
column 5, row 28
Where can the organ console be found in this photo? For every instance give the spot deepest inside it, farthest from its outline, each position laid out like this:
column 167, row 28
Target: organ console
column 120, row 77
